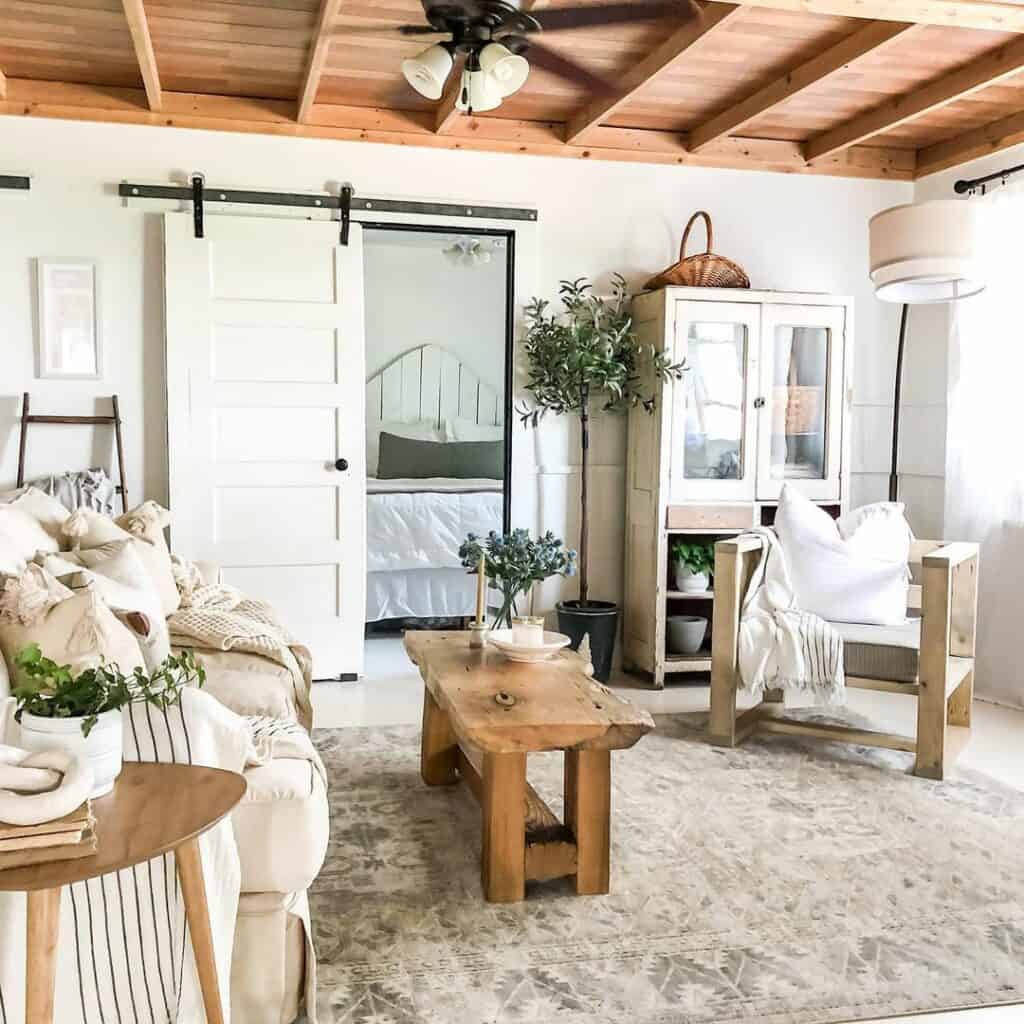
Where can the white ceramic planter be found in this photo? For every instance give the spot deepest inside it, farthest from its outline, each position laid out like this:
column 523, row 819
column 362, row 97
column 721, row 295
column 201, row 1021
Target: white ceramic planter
column 102, row 747
column 690, row 582
column 686, row 633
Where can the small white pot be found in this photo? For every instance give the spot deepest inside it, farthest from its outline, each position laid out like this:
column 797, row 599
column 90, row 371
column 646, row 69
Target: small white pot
column 691, row 582
column 102, row 748
column 686, row 633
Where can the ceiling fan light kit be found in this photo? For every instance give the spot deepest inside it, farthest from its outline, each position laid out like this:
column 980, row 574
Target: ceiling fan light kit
column 508, row 70
column 493, row 35
column 428, row 71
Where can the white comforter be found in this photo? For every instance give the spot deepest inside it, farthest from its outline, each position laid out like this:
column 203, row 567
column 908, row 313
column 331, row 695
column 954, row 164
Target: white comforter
column 420, row 524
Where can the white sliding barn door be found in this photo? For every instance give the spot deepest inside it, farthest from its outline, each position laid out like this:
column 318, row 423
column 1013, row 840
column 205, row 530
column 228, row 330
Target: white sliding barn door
column 265, row 383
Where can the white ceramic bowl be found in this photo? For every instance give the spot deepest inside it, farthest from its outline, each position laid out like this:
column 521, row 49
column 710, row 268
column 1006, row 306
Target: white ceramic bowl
column 553, row 643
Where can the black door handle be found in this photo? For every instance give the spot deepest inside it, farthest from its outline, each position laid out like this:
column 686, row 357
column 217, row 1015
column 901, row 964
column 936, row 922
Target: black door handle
column 341, row 465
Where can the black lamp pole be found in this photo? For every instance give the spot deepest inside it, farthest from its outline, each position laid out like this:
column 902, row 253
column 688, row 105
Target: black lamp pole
column 894, row 480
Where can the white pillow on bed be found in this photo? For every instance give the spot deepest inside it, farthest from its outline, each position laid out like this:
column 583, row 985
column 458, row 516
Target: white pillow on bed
column 416, row 430
column 459, row 429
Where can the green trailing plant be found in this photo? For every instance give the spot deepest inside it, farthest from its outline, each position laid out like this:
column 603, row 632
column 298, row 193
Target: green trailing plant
column 697, row 556
column 49, row 690
column 514, row 562
column 584, row 355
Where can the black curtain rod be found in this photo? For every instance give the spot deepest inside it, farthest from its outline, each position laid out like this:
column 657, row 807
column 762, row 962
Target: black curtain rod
column 15, row 181
column 970, row 184
column 128, row 190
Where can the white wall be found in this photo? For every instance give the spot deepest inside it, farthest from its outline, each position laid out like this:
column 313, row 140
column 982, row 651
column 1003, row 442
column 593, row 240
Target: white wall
column 789, row 231
column 416, row 296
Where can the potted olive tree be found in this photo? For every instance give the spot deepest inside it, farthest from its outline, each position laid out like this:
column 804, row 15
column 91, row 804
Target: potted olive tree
column 582, row 359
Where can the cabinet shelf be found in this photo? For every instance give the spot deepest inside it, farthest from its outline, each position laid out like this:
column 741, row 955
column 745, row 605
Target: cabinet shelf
column 682, row 595
column 699, row 662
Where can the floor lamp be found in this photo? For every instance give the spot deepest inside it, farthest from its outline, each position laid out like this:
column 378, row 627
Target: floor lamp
column 922, row 253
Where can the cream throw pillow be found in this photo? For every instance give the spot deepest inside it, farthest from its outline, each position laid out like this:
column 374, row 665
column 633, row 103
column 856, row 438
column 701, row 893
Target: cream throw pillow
column 860, row 577
column 45, row 509
column 144, row 526
column 118, row 573
column 146, row 522
column 80, row 631
column 21, row 538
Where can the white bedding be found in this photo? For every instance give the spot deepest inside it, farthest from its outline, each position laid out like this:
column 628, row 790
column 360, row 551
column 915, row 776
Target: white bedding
column 414, row 529
column 423, row 529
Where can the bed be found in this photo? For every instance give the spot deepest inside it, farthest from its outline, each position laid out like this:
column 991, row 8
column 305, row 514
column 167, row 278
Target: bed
column 415, row 523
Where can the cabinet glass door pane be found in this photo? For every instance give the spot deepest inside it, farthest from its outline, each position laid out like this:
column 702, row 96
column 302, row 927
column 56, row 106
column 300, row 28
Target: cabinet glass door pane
column 800, row 364
column 715, row 401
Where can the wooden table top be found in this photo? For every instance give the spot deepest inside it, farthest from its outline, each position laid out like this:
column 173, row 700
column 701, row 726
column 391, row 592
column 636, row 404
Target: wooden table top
column 152, row 809
column 556, row 704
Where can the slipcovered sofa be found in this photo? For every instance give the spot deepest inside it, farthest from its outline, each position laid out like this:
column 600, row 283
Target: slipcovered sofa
column 281, row 827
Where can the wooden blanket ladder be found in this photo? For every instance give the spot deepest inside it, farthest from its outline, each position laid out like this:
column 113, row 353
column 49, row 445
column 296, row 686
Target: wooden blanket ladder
column 113, row 420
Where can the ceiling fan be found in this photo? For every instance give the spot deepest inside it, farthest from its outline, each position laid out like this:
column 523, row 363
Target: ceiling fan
column 493, row 37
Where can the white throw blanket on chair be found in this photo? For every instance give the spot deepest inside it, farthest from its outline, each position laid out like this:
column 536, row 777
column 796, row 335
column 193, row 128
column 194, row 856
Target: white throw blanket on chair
column 780, row 646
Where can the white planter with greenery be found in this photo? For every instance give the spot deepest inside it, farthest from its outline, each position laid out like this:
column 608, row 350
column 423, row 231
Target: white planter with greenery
column 102, row 748
column 81, row 711
column 692, row 564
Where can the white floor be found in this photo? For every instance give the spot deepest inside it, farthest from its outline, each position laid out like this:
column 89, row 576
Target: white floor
column 391, row 694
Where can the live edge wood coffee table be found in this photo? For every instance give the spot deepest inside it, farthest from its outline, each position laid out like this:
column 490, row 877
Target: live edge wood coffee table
column 482, row 715
column 153, row 809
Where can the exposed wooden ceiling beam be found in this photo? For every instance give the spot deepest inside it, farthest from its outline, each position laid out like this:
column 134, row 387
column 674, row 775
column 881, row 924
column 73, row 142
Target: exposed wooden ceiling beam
column 983, row 141
column 993, row 67
column 867, row 40
column 713, row 17
column 317, row 57
column 138, row 25
column 447, row 112
column 998, row 15
column 416, row 128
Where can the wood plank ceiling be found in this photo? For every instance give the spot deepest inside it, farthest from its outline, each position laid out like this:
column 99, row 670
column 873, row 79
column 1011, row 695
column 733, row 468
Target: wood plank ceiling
column 869, row 88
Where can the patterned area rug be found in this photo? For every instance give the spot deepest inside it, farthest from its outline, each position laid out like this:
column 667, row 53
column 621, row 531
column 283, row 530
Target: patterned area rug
column 784, row 882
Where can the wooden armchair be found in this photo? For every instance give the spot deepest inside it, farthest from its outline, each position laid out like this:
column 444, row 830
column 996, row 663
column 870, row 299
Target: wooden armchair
column 931, row 658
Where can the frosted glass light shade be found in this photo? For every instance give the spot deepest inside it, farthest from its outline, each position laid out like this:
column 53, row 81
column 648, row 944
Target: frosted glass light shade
column 428, row 71
column 926, row 252
column 508, row 70
column 478, row 92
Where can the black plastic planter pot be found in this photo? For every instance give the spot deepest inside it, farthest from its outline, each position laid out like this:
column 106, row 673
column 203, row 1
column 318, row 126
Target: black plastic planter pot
column 599, row 619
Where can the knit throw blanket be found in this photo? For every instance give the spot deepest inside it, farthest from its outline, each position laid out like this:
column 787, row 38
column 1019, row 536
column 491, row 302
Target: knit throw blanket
column 218, row 617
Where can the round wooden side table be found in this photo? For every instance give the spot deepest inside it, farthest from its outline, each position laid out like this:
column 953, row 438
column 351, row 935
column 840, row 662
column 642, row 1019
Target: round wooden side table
column 153, row 809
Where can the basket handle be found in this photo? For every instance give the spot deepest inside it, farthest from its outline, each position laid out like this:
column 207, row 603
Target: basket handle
column 689, row 226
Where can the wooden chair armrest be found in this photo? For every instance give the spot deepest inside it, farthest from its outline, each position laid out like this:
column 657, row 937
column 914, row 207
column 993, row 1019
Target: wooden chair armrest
column 740, row 545
column 950, row 555
column 950, row 593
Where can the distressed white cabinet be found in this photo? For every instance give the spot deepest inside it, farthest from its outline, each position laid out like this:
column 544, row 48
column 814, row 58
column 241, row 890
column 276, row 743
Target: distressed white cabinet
column 764, row 402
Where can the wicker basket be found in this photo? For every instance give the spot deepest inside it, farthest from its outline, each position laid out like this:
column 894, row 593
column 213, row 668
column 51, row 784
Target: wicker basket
column 706, row 270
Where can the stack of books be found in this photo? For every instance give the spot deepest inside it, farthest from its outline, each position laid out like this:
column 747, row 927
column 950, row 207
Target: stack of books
column 74, row 835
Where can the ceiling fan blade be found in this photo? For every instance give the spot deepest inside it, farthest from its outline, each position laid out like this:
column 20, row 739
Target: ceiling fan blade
column 381, row 30
column 540, row 56
column 554, row 18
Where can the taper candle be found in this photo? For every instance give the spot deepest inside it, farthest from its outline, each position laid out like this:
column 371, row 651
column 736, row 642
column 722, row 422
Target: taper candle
column 481, row 590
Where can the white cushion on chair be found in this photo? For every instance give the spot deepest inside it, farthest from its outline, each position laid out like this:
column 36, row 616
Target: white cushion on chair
column 882, row 652
column 861, row 577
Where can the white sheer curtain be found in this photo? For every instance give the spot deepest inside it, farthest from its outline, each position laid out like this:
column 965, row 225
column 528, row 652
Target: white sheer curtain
column 985, row 443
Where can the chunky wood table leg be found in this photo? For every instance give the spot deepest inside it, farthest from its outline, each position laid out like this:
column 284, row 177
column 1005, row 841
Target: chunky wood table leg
column 193, row 889
column 503, row 864
column 588, row 805
column 439, row 750
column 43, row 932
